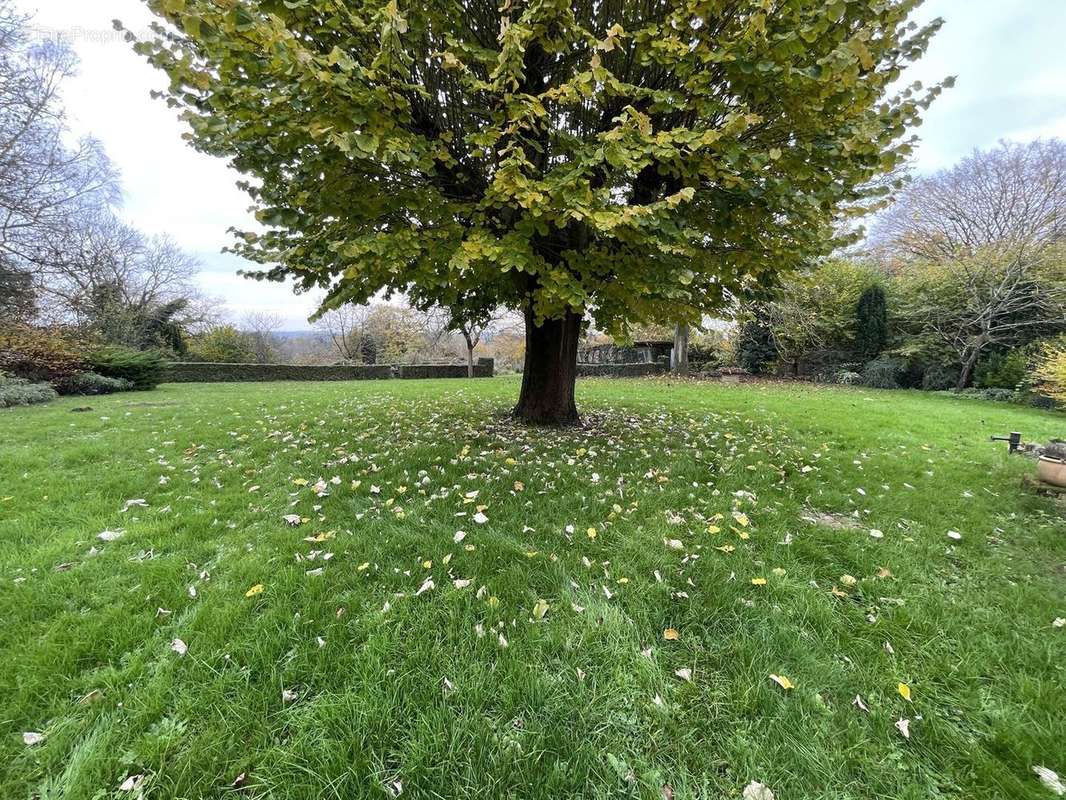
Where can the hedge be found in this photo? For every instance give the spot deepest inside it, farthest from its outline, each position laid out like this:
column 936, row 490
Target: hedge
column 207, row 372
column 631, row 370
column 484, row 368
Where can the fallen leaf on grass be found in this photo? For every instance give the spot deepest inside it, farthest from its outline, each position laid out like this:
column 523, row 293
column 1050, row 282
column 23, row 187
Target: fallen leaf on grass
column 684, row 674
column 671, row 634
column 131, row 784
column 859, row 704
column 179, row 647
column 904, row 727
column 540, row 609
column 30, row 738
column 783, row 682
column 757, row 791
column 1050, row 779
column 904, row 691
column 257, row 589
column 110, row 536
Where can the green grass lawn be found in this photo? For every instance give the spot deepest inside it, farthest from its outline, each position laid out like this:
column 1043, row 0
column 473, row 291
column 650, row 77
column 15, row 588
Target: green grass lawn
column 529, row 659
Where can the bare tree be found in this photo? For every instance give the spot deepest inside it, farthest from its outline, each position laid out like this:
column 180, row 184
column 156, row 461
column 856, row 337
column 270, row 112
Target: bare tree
column 475, row 327
column 346, row 329
column 994, row 298
column 43, row 178
column 1013, row 197
column 98, row 255
column 982, row 245
column 261, row 327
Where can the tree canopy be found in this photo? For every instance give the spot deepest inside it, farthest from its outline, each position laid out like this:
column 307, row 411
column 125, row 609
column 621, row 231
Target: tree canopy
column 615, row 160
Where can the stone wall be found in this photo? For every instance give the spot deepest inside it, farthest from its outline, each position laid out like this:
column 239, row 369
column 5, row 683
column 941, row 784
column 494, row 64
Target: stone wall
column 484, row 368
column 205, row 372
column 633, row 370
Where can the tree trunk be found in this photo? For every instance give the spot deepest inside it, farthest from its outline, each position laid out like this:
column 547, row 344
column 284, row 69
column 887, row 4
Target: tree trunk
column 547, row 396
column 967, row 369
column 469, row 356
column 681, row 350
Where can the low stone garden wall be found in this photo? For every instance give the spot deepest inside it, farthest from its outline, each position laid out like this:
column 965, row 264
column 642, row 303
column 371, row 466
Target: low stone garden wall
column 482, row 369
column 204, row 372
column 631, row 370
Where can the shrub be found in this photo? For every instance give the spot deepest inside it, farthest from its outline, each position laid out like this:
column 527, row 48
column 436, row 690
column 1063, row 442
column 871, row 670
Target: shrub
column 1003, row 370
column 704, row 356
column 755, row 347
column 884, row 372
column 995, row 395
column 90, row 383
column 40, row 354
column 1051, row 371
column 938, row 377
column 142, row 368
column 21, row 392
column 846, row 377
column 871, row 322
column 223, row 344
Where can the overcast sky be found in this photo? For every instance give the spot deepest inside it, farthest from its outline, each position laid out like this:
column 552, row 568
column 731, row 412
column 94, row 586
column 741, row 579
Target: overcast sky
column 1009, row 57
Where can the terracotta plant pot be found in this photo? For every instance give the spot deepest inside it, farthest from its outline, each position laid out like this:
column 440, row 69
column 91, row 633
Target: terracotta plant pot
column 1051, row 470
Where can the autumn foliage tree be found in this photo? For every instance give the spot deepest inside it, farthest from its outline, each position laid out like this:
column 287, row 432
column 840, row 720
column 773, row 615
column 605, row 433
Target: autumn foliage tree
column 610, row 161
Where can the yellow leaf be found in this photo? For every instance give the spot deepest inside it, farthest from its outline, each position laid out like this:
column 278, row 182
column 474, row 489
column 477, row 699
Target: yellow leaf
column 713, row 529
column 671, row 635
column 364, row 566
column 758, row 581
column 257, row 589
column 540, row 609
column 591, row 532
column 783, row 682
column 904, row 691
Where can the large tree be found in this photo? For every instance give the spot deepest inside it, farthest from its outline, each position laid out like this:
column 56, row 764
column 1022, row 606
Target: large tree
column 1009, row 198
column 618, row 161
column 45, row 175
column 981, row 250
